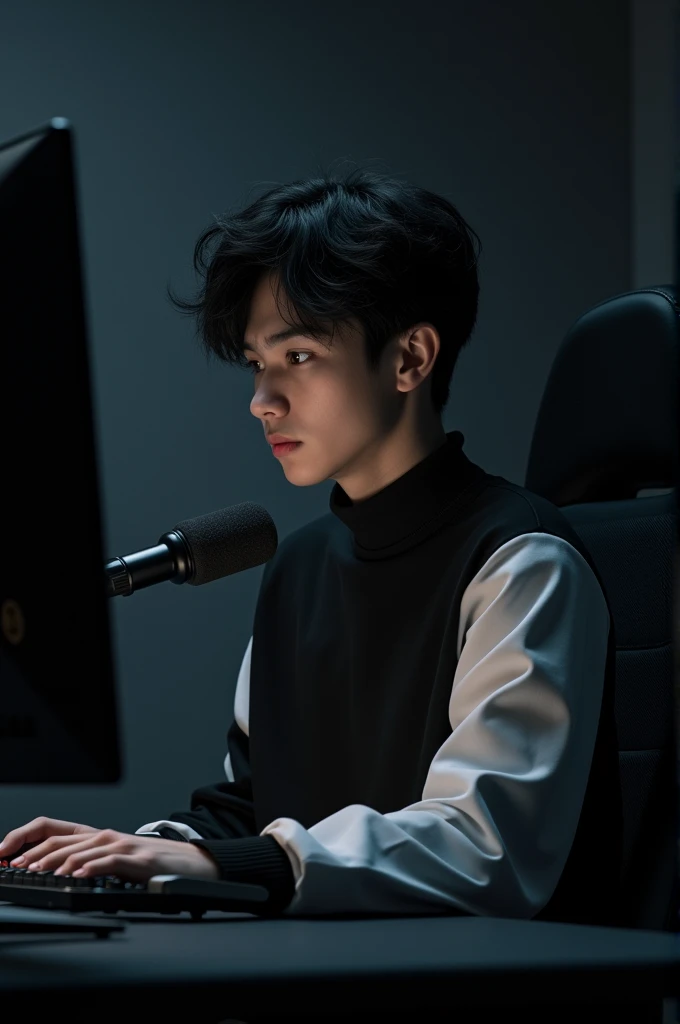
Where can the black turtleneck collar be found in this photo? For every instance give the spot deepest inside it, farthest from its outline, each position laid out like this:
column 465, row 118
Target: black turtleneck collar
column 413, row 506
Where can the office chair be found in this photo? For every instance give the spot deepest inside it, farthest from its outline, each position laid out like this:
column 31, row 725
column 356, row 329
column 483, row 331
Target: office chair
column 605, row 450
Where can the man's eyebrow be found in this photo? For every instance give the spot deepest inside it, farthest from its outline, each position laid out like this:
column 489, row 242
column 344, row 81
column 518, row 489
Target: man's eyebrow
column 276, row 339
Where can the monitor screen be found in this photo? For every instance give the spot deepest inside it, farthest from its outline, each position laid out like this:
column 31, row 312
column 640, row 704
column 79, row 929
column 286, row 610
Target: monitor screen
column 58, row 716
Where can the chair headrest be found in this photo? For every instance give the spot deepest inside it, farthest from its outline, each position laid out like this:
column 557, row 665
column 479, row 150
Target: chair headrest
column 607, row 425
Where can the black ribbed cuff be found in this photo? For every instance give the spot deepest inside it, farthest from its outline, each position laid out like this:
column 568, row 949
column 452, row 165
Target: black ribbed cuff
column 256, row 859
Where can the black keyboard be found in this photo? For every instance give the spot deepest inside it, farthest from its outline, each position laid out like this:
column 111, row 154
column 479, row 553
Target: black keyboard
column 165, row 894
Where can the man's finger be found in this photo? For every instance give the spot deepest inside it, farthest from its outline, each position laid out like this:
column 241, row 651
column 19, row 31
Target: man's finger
column 54, row 851
column 124, row 865
column 33, row 832
column 37, row 830
column 78, row 858
column 47, row 847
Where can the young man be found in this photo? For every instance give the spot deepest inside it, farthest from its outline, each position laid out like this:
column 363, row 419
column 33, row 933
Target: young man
column 423, row 719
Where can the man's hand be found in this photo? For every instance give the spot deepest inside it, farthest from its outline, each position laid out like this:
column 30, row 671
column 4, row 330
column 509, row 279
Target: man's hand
column 105, row 852
column 37, row 830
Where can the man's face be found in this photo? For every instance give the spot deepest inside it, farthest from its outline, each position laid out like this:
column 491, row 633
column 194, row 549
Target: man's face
column 327, row 398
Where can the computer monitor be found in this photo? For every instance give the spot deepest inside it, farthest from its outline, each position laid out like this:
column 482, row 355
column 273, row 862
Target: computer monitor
column 58, row 713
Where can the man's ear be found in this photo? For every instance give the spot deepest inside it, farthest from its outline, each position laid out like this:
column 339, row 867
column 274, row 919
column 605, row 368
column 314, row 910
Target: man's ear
column 417, row 350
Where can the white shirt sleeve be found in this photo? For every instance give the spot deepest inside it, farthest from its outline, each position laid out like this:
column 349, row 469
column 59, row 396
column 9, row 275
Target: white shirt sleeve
column 241, row 711
column 186, row 830
column 503, row 795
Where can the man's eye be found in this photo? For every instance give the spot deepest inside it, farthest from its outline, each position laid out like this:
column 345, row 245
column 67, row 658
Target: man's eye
column 307, row 354
column 253, row 363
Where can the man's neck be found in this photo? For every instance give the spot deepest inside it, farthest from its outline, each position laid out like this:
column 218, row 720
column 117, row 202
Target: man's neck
column 394, row 456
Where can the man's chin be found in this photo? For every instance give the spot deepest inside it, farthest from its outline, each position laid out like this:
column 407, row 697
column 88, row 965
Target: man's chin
column 303, row 472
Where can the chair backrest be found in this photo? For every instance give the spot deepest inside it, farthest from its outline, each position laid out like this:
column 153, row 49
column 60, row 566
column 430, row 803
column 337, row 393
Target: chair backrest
column 605, row 451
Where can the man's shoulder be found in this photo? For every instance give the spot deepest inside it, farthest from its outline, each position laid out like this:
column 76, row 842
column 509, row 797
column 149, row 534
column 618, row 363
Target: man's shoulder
column 504, row 511
column 516, row 507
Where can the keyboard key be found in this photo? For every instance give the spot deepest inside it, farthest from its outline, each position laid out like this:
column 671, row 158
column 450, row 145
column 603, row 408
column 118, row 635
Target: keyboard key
column 112, row 882
column 80, row 883
column 42, row 877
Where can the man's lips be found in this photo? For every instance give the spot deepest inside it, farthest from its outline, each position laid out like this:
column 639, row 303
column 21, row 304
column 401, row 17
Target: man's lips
column 281, row 439
column 285, row 447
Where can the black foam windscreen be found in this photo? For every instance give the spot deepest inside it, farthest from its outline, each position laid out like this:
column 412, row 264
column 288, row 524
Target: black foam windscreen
column 227, row 541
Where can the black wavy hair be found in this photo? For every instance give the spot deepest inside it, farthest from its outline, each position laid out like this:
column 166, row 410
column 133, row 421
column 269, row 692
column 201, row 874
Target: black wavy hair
column 366, row 246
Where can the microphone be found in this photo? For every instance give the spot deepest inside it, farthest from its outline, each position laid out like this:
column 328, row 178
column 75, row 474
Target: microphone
column 198, row 550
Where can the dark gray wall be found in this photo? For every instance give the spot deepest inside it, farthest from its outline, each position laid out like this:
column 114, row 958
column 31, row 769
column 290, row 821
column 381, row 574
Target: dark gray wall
column 517, row 112
column 653, row 142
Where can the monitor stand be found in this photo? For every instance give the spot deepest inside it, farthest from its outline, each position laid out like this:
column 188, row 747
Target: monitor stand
column 23, row 920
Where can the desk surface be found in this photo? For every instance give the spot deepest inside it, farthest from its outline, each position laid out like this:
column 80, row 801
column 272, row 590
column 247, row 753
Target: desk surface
column 238, row 965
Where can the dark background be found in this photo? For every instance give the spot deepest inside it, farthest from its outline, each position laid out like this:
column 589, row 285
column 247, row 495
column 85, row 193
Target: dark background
column 546, row 124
